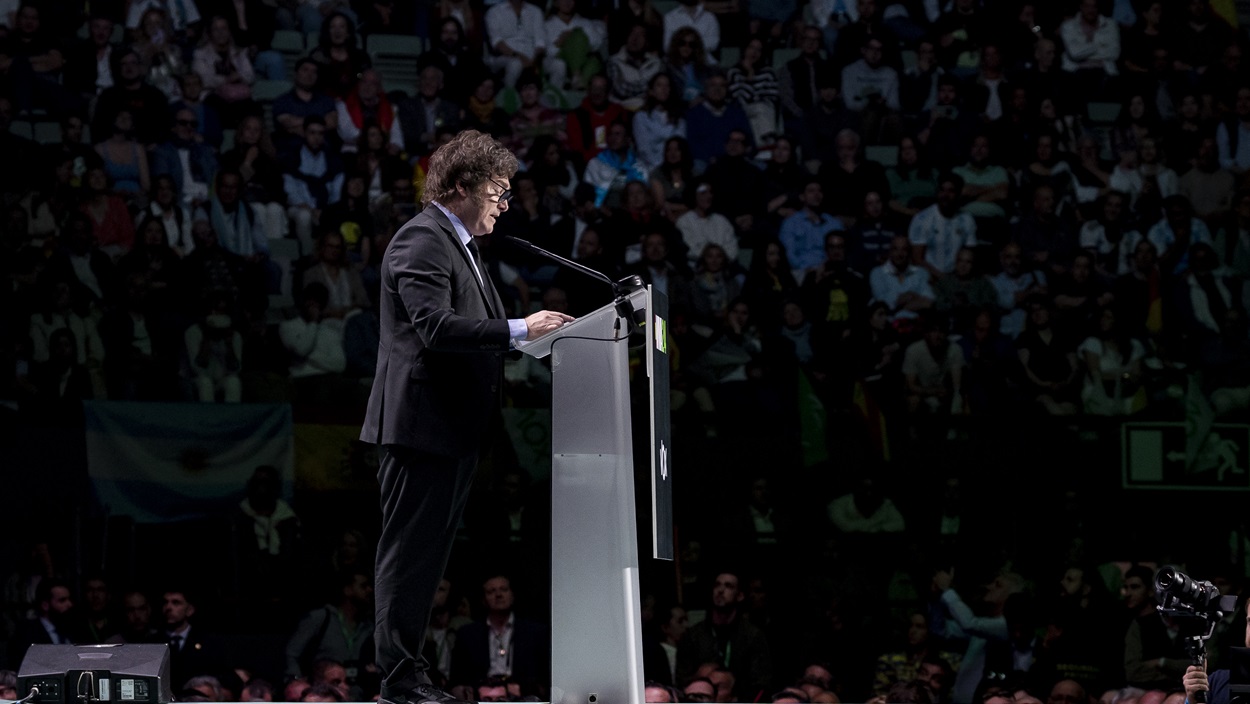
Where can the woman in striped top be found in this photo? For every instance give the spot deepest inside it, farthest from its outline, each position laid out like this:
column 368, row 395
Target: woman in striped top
column 754, row 83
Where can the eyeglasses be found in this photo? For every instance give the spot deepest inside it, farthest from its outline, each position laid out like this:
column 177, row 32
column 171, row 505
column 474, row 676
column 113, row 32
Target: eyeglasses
column 505, row 194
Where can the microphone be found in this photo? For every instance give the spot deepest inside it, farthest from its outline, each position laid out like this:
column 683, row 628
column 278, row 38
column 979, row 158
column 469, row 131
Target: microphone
column 620, row 289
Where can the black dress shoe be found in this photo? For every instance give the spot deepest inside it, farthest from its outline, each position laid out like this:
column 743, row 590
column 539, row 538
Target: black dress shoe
column 423, row 694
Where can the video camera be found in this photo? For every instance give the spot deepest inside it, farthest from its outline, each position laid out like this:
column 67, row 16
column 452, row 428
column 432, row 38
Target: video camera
column 1198, row 603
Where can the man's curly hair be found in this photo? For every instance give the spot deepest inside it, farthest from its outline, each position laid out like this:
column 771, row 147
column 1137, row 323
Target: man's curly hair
column 470, row 158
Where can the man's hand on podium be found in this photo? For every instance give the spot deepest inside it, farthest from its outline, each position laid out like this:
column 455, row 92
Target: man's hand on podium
column 543, row 322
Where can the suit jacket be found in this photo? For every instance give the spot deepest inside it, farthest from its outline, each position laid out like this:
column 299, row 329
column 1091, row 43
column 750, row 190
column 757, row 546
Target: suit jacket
column 29, row 632
column 442, row 337
column 165, row 162
column 203, row 653
column 412, row 120
column 531, row 654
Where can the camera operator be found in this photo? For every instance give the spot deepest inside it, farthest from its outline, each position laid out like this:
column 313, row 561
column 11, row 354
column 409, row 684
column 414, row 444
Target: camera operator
column 1197, row 680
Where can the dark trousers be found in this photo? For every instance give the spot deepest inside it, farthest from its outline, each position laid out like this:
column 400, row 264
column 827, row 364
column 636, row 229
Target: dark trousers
column 423, row 496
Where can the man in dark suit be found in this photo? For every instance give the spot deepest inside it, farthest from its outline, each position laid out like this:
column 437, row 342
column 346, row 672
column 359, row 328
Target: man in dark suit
column 502, row 645
column 50, row 626
column 436, row 391
column 193, row 651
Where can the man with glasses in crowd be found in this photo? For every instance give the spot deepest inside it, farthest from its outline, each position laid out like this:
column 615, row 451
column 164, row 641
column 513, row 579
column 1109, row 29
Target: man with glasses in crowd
column 436, row 393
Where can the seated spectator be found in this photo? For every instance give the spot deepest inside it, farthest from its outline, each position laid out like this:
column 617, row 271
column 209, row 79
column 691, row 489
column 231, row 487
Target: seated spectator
column 784, row 178
column 804, row 77
column 193, row 95
column 920, row 646
column 965, row 292
column 695, row 15
column 233, row 220
column 214, row 350
column 702, row 226
column 1046, row 240
column 1105, row 235
column 554, row 174
column 1078, row 294
column 874, row 229
column 125, row 160
column 713, row 286
column 528, row 642
column 913, row 183
column 376, row 161
column 338, row 56
column 1091, row 175
column 427, row 111
column 621, row 23
column 161, row 50
column 940, row 231
column 532, row 119
column 34, row 64
column 517, row 39
column 656, row 270
column 1208, row 187
column 848, row 176
column 986, row 187
column 588, row 123
column 60, row 309
column 334, row 271
column 834, row 294
column 753, row 83
column 900, row 284
column 1015, row 284
column 1175, row 233
column 112, row 226
column 1091, row 49
column 225, row 69
column 1234, row 152
column 352, row 218
column 933, row 371
column 631, row 68
column 803, row 233
column 313, row 340
column 659, row 119
column 1232, row 239
column 575, row 44
column 870, row 90
column 638, row 214
column 1048, row 359
column 1138, row 119
column 255, row 160
column 709, row 123
column 1204, row 295
column 918, row 85
column 305, row 99
column 191, row 163
column 989, row 93
column 365, row 104
column 88, row 69
column 148, row 106
column 949, row 127
column 1112, row 361
column 153, row 257
column 614, row 167
column 80, row 261
column 1139, row 292
column 312, row 178
column 991, row 367
column 769, row 281
column 1049, row 168
column 686, row 65
column 865, row 509
column 672, row 181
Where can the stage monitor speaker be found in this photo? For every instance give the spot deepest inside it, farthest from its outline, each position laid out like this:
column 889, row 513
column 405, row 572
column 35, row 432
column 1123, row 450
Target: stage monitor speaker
column 126, row 673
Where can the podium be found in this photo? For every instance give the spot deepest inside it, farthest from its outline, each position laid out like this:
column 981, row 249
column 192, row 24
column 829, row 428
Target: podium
column 596, row 653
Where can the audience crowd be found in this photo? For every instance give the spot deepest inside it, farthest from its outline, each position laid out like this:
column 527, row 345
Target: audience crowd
column 880, row 224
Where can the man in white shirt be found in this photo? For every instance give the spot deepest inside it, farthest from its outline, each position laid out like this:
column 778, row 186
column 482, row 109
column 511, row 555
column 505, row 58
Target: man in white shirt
column 939, row 231
column 901, row 285
column 692, row 13
column 518, row 39
column 314, row 342
column 701, row 227
column 1090, row 41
